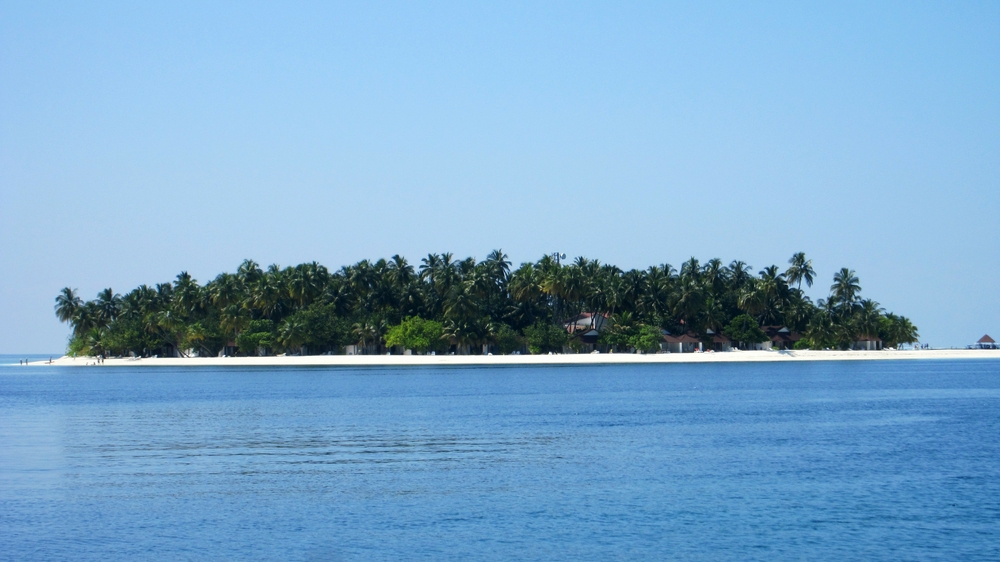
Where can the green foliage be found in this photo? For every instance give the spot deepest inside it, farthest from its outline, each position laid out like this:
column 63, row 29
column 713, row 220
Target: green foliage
column 615, row 337
column 205, row 337
column 417, row 334
column 625, row 335
column 292, row 334
column 744, row 329
column 646, row 339
column 78, row 347
column 128, row 336
column 317, row 327
column 476, row 302
column 507, row 339
column 258, row 336
column 894, row 330
column 545, row 338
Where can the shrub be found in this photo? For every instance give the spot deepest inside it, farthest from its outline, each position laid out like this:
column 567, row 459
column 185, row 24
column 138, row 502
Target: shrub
column 417, row 334
column 646, row 339
column 543, row 338
column 507, row 339
column 744, row 329
column 258, row 335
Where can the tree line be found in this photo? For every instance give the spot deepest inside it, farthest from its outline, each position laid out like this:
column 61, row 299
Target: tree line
column 447, row 303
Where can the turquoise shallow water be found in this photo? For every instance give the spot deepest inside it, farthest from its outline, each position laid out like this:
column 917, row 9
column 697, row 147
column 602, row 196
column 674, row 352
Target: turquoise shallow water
column 839, row 460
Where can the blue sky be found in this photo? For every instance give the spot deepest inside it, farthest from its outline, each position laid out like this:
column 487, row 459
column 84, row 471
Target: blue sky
column 138, row 140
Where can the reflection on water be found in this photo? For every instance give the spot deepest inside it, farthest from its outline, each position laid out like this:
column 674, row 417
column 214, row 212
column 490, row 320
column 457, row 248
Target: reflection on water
column 835, row 460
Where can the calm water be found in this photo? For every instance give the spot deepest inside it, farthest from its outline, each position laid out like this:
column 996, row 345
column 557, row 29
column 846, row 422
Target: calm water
column 878, row 460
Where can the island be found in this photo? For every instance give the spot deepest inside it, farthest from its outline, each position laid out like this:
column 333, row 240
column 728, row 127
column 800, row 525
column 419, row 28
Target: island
column 454, row 310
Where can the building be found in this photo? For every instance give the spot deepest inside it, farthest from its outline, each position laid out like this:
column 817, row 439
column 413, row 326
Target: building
column 587, row 326
column 986, row 342
column 867, row 343
column 683, row 343
column 720, row 342
column 779, row 337
column 586, row 321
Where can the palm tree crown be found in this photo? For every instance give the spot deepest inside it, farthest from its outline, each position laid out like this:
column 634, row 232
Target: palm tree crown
column 800, row 270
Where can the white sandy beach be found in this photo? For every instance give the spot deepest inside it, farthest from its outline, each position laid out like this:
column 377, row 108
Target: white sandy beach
column 570, row 359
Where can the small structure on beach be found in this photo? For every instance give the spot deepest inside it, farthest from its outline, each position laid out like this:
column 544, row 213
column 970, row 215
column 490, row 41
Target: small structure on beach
column 780, row 337
column 720, row 342
column 986, row 342
column 867, row 343
column 683, row 343
column 587, row 326
column 586, row 321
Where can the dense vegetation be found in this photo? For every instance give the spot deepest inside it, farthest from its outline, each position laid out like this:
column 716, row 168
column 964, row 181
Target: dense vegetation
column 444, row 302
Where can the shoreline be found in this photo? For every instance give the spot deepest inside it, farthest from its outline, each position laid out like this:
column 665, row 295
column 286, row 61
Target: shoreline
column 527, row 360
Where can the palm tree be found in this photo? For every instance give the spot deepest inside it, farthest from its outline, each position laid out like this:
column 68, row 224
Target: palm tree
column 447, row 270
column 751, row 298
column 305, row 283
column 186, row 295
column 772, row 282
column 774, row 294
column 196, row 335
column 86, row 319
column 821, row 330
column 249, row 272
column 461, row 303
column 553, row 284
column 845, row 289
column 266, row 295
column 429, row 266
column 895, row 330
column 739, row 274
column 690, row 270
column 713, row 316
column 141, row 302
column 225, row 290
column 108, row 304
column 498, row 265
column 291, row 334
column 401, row 273
column 232, row 319
column 715, row 274
column 174, row 328
column 524, row 284
column 868, row 315
column 369, row 333
column 800, row 270
column 691, row 303
column 68, row 303
column 798, row 311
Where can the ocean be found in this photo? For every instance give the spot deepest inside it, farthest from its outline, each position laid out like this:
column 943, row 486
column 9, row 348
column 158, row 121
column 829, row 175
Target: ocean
column 863, row 460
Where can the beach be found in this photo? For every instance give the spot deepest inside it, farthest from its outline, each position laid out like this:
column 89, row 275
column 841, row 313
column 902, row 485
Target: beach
column 514, row 360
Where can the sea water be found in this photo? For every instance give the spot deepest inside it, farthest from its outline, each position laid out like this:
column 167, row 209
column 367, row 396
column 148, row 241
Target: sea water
column 864, row 460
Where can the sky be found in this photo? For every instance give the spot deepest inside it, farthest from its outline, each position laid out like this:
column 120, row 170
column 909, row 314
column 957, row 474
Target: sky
column 139, row 140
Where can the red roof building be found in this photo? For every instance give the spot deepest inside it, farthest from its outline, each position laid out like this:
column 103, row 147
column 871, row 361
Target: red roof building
column 986, row 342
column 781, row 337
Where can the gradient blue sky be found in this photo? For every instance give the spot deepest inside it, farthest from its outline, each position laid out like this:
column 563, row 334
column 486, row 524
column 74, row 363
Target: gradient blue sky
column 138, row 140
